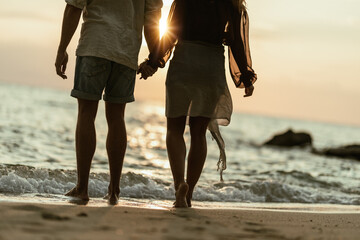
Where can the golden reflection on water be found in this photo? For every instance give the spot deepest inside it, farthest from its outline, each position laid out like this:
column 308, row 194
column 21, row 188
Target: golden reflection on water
column 139, row 131
column 149, row 155
column 156, row 110
column 154, row 144
column 146, row 172
column 161, row 163
column 155, row 161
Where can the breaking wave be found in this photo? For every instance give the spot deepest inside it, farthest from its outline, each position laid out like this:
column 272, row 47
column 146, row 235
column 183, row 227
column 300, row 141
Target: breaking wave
column 20, row 179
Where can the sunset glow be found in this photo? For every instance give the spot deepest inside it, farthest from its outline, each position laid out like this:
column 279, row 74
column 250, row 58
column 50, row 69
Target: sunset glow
column 281, row 44
column 163, row 25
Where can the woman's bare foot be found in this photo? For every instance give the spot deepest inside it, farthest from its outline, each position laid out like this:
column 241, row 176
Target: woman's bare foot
column 181, row 196
column 112, row 198
column 82, row 195
column 189, row 196
column 188, row 200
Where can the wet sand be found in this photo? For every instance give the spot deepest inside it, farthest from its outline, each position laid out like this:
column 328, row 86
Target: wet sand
column 25, row 220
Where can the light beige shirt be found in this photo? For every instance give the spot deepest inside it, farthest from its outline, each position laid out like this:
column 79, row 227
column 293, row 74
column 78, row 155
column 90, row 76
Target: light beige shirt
column 112, row 29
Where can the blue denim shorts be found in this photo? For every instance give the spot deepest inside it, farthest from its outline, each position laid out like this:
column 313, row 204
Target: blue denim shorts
column 94, row 75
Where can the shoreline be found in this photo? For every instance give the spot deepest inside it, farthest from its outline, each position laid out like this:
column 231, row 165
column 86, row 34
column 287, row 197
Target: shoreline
column 51, row 199
column 61, row 200
column 157, row 220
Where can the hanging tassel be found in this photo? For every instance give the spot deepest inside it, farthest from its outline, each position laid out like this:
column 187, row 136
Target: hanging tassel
column 215, row 132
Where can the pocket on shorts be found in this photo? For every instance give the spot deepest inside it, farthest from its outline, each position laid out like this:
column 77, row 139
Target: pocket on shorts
column 94, row 66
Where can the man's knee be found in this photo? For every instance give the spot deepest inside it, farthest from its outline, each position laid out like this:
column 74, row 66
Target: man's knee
column 87, row 108
column 115, row 113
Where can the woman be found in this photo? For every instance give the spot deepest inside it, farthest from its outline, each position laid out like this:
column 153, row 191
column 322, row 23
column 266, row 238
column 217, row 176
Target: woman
column 196, row 85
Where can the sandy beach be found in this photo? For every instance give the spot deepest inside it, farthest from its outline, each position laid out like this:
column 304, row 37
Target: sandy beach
column 26, row 220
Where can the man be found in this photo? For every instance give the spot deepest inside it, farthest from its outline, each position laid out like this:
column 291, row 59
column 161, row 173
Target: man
column 107, row 56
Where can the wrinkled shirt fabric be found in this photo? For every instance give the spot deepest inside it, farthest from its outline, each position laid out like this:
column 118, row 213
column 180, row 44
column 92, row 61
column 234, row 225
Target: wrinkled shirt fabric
column 112, row 29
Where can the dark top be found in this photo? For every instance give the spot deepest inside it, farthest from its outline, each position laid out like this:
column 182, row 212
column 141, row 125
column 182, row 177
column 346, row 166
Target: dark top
column 203, row 20
column 212, row 21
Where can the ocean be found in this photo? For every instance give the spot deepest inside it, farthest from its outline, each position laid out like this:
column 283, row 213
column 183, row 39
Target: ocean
column 37, row 155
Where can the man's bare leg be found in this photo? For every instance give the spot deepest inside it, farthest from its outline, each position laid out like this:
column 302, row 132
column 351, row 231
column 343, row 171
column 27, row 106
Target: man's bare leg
column 85, row 138
column 177, row 152
column 116, row 143
column 197, row 153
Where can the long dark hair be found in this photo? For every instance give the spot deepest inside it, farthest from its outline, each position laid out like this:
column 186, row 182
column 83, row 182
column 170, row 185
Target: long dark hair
column 240, row 4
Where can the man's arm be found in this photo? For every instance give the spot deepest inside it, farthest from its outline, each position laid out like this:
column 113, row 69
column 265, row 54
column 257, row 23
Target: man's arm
column 152, row 37
column 151, row 28
column 151, row 33
column 70, row 22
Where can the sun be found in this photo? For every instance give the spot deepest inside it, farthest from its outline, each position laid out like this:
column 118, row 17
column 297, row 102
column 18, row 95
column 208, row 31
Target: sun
column 162, row 26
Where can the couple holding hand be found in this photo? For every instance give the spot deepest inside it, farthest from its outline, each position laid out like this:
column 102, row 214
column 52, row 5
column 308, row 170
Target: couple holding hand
column 196, row 86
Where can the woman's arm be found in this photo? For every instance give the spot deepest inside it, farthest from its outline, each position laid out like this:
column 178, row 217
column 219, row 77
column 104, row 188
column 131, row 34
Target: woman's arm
column 161, row 53
column 239, row 51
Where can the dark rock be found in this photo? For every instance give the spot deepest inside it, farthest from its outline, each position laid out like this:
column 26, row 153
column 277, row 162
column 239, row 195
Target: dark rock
column 290, row 139
column 349, row 151
column 82, row 214
column 54, row 217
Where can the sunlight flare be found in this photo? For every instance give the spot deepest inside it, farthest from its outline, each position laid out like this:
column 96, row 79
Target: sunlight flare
column 163, row 25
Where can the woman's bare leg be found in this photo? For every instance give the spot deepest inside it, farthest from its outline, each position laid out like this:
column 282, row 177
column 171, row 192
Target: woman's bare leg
column 177, row 152
column 197, row 153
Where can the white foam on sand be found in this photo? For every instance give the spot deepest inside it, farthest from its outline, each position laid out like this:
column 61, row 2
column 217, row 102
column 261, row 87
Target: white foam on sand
column 19, row 179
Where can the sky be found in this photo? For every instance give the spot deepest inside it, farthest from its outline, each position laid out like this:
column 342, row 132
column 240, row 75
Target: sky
column 306, row 54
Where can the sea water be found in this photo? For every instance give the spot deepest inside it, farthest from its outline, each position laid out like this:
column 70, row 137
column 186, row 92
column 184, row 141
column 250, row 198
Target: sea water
column 37, row 155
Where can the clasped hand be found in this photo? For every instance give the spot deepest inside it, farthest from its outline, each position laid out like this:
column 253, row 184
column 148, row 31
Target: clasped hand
column 145, row 70
column 249, row 91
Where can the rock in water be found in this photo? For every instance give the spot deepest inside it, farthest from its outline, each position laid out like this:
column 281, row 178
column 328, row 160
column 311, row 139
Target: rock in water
column 290, row 139
column 349, row 151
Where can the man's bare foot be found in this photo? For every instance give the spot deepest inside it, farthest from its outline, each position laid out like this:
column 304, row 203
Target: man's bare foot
column 112, row 198
column 181, row 196
column 82, row 195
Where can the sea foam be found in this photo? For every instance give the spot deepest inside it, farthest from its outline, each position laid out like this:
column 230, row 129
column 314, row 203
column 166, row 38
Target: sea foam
column 20, row 179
